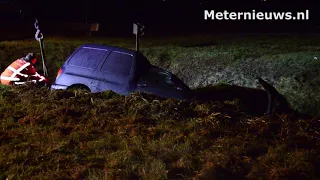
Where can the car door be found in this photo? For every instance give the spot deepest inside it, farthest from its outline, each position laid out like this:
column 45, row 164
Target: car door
column 115, row 72
column 159, row 82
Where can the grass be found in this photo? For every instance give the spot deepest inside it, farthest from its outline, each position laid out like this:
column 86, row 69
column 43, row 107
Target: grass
column 289, row 62
column 52, row 135
column 61, row 135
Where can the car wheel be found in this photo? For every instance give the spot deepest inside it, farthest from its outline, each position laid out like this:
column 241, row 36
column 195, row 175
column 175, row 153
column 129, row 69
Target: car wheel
column 79, row 88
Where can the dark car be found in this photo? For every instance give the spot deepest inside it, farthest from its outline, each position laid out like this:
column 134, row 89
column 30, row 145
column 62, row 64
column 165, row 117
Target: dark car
column 100, row 68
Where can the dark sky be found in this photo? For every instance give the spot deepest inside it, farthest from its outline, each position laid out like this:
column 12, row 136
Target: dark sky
column 150, row 10
column 155, row 12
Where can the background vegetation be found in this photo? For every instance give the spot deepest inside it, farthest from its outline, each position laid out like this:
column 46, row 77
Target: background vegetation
column 60, row 134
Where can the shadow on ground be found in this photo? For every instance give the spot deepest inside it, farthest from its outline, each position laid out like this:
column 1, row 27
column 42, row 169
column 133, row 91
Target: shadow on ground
column 251, row 100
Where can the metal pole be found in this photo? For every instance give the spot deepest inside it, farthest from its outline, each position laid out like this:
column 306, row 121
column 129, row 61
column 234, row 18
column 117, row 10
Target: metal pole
column 39, row 37
column 137, row 30
column 45, row 71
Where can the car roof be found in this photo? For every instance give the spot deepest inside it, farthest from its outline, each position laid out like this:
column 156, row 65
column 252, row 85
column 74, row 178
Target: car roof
column 109, row 48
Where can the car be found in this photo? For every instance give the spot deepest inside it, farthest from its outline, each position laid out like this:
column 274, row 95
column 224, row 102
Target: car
column 99, row 68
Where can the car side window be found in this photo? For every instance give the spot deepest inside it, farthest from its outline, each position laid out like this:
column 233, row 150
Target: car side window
column 157, row 77
column 118, row 63
column 87, row 58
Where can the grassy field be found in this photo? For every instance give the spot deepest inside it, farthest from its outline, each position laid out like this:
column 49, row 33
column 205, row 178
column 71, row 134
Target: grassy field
column 289, row 62
column 65, row 135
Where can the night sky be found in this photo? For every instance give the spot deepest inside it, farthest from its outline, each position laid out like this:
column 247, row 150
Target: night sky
column 187, row 13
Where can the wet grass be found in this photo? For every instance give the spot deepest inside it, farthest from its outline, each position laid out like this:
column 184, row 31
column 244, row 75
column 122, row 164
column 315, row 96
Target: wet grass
column 59, row 134
column 63, row 135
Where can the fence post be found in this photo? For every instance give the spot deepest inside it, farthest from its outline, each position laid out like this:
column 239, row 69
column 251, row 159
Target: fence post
column 94, row 27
